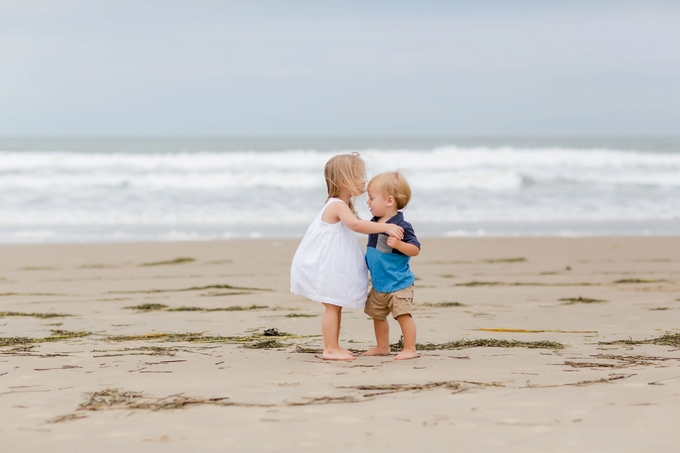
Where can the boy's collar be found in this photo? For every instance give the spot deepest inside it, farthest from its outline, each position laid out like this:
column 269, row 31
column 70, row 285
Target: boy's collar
column 396, row 218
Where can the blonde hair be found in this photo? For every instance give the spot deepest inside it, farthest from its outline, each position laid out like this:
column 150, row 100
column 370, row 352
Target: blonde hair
column 392, row 184
column 342, row 172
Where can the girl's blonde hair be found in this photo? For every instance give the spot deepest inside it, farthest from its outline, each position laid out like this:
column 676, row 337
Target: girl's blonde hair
column 392, row 183
column 344, row 171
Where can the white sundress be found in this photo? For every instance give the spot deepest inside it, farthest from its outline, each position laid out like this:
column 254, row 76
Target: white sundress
column 329, row 265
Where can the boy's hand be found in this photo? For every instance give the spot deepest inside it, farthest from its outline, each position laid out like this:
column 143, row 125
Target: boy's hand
column 393, row 242
column 394, row 231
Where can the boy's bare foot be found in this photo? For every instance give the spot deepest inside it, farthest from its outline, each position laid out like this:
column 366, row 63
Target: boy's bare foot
column 377, row 351
column 406, row 354
column 338, row 354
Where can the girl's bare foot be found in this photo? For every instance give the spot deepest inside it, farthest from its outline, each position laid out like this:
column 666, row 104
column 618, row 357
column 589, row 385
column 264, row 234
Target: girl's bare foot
column 377, row 351
column 337, row 354
column 406, row 354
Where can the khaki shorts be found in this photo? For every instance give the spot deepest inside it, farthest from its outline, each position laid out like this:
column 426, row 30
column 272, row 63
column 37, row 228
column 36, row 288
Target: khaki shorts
column 379, row 305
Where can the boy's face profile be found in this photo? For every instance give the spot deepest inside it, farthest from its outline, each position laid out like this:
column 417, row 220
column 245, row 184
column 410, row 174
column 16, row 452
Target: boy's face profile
column 378, row 203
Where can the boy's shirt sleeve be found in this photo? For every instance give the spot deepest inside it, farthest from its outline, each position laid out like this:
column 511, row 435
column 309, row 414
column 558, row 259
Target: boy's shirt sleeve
column 409, row 234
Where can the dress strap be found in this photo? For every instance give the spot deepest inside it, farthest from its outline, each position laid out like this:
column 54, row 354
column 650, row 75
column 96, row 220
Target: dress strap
column 325, row 206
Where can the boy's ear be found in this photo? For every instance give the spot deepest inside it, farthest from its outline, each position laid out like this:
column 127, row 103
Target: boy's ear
column 390, row 200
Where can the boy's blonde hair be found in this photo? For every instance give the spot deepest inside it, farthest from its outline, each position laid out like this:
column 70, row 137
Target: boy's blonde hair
column 392, row 184
column 343, row 172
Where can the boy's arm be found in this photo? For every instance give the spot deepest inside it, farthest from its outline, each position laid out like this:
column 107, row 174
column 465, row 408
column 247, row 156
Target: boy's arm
column 346, row 216
column 403, row 247
column 409, row 244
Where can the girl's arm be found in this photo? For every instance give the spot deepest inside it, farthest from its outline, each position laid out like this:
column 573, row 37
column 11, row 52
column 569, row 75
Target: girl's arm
column 342, row 212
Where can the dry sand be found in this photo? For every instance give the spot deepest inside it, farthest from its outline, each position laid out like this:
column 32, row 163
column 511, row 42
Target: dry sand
column 129, row 385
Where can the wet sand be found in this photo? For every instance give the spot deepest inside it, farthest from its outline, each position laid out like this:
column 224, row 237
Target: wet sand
column 200, row 347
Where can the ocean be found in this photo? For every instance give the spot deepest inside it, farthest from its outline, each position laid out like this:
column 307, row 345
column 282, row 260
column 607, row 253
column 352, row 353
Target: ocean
column 67, row 190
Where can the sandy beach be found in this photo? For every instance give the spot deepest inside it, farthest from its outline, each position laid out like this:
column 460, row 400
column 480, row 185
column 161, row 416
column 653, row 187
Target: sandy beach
column 527, row 344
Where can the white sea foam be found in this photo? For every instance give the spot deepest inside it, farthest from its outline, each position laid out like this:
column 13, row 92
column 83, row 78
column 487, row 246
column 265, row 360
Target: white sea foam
column 52, row 196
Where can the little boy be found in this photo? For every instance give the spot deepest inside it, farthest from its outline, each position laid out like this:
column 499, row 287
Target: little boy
column 388, row 261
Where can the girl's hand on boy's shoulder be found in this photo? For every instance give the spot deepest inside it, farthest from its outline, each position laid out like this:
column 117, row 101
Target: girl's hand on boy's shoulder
column 394, row 231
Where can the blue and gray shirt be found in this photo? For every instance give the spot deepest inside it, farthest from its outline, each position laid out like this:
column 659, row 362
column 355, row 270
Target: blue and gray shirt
column 389, row 267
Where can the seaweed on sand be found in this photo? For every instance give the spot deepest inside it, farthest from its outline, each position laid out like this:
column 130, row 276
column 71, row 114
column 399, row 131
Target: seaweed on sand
column 232, row 308
column 269, row 338
column 638, row 280
column 480, row 343
column 163, row 307
column 442, row 304
column 57, row 335
column 581, row 300
column 34, row 315
column 148, row 307
column 506, row 260
column 496, row 283
column 667, row 339
column 192, row 288
column 117, row 399
column 180, row 260
column 168, row 351
column 385, row 389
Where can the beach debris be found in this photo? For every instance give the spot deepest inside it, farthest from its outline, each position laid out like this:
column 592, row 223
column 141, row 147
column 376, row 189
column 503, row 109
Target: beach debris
column 496, row 283
column 169, row 351
column 480, row 343
column 300, row 315
column 34, row 315
column 256, row 340
column 667, row 339
column 192, row 288
column 634, row 359
column 442, row 304
column 266, row 344
column 28, row 351
column 163, row 307
column 180, row 260
column 304, row 350
column 147, row 307
column 31, row 294
column 580, row 300
column 274, row 332
column 66, row 418
column 592, row 364
column 534, row 331
column 638, row 280
column 232, row 308
column 57, row 335
column 377, row 390
column 118, row 399
column 612, row 378
column 505, row 260
column 624, row 361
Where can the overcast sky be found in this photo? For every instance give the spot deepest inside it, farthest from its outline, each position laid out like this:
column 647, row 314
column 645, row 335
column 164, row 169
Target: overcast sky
column 315, row 68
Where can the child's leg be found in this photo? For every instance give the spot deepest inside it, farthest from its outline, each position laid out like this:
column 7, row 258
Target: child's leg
column 330, row 328
column 408, row 330
column 382, row 337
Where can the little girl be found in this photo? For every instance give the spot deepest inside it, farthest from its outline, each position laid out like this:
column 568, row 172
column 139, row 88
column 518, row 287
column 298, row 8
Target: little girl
column 329, row 264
